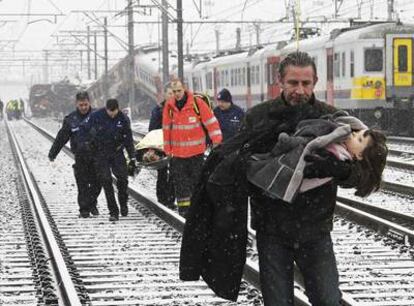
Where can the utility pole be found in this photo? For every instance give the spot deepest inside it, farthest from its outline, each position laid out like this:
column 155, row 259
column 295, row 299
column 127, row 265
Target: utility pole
column 390, row 9
column 81, row 61
column 238, row 39
column 46, row 68
column 131, row 54
column 165, row 51
column 89, row 52
column 180, row 39
column 106, row 56
column 336, row 9
column 217, row 40
column 95, row 46
column 257, row 29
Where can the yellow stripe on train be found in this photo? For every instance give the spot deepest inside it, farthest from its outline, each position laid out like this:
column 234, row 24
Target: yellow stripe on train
column 368, row 88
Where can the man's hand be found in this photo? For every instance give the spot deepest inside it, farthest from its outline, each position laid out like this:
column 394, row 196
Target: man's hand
column 325, row 164
column 132, row 166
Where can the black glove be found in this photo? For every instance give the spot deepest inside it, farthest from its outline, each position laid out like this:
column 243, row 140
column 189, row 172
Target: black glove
column 51, row 158
column 325, row 164
column 132, row 166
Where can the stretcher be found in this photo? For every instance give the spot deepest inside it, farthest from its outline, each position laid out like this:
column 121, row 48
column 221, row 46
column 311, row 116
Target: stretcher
column 150, row 153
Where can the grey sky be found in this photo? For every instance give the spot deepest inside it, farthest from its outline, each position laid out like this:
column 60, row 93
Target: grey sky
column 34, row 33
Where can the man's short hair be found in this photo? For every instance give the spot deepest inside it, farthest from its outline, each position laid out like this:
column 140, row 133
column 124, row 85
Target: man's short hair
column 82, row 95
column 298, row 59
column 112, row 104
column 176, row 82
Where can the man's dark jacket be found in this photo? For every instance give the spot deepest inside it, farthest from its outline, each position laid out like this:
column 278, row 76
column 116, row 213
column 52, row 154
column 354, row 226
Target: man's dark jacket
column 79, row 144
column 109, row 135
column 156, row 117
column 215, row 233
column 230, row 120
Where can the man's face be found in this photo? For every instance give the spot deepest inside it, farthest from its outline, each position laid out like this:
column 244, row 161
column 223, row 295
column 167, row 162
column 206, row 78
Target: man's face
column 356, row 143
column 83, row 106
column 112, row 113
column 168, row 94
column 223, row 105
column 178, row 90
column 298, row 84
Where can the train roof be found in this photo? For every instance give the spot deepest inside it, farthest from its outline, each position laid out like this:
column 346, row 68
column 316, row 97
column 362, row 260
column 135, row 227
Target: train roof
column 375, row 31
column 152, row 60
column 306, row 44
column 348, row 34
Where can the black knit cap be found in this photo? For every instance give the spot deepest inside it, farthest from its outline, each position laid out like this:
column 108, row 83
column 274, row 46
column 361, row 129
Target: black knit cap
column 225, row 95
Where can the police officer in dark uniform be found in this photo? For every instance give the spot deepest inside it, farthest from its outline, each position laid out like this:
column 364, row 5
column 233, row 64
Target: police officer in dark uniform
column 164, row 187
column 228, row 114
column 85, row 174
column 111, row 132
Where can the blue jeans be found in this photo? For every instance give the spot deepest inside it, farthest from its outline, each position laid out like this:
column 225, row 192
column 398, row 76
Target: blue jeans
column 316, row 262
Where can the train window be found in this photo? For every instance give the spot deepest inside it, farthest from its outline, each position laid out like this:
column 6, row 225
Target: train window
column 402, row 59
column 373, row 59
column 257, row 74
column 244, row 76
column 336, row 65
column 343, row 64
column 238, row 77
column 232, row 77
column 351, row 64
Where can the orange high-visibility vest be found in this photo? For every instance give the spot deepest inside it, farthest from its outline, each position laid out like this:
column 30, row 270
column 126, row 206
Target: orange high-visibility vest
column 183, row 131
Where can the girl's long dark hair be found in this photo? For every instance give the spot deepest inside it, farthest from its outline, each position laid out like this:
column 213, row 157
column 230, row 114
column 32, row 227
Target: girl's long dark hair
column 372, row 164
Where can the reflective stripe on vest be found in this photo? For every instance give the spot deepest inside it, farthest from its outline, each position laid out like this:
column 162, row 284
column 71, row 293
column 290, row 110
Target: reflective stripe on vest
column 188, row 143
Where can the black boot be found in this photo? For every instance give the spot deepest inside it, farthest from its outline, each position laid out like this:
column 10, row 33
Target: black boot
column 124, row 210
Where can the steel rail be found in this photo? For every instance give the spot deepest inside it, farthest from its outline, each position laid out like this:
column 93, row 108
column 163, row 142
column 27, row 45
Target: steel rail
column 65, row 284
column 251, row 269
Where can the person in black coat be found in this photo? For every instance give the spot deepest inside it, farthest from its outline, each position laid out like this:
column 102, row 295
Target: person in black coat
column 164, row 187
column 110, row 130
column 215, row 234
column 228, row 114
column 84, row 170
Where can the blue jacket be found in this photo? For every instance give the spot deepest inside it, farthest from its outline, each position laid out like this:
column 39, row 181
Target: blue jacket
column 229, row 120
column 70, row 131
column 110, row 135
column 156, row 117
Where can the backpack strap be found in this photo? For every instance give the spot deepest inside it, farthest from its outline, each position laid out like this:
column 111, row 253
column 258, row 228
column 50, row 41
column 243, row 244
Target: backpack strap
column 196, row 108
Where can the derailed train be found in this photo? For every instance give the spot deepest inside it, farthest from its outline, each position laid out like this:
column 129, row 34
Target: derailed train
column 366, row 69
column 52, row 99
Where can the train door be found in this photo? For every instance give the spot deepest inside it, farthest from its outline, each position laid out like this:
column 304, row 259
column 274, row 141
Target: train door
column 273, row 88
column 329, row 77
column 399, row 65
column 399, row 81
column 402, row 61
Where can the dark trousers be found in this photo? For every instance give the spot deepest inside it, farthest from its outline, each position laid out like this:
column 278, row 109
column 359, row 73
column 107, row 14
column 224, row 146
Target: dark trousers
column 185, row 173
column 316, row 262
column 117, row 165
column 165, row 188
column 87, row 182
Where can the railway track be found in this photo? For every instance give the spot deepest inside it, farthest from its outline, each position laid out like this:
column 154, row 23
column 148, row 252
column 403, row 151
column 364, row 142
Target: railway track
column 376, row 268
column 130, row 262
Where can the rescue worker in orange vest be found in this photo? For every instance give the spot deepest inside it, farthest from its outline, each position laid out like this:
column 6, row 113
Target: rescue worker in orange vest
column 185, row 122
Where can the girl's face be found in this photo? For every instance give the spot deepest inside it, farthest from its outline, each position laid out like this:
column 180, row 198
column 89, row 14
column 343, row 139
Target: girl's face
column 356, row 143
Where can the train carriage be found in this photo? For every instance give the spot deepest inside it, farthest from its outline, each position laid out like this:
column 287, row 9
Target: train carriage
column 368, row 71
